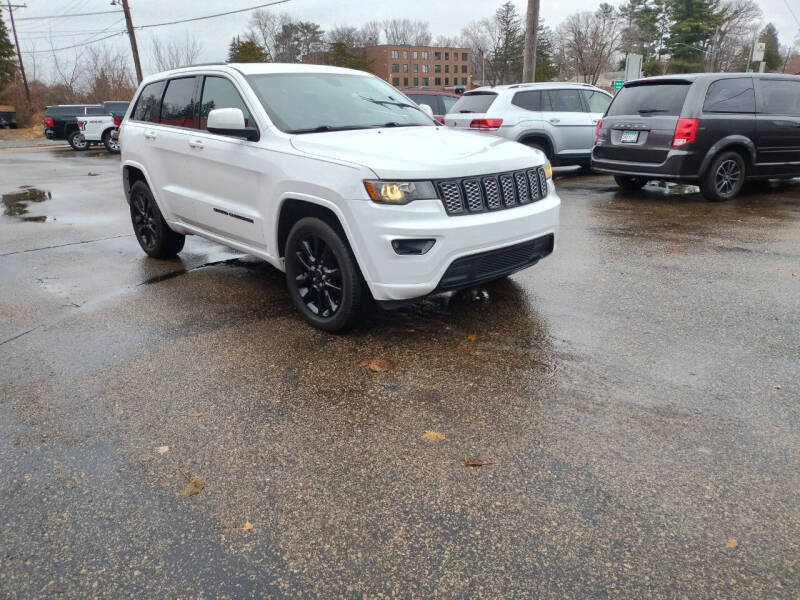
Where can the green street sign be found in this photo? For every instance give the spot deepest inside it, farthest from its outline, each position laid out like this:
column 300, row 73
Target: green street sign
column 618, row 83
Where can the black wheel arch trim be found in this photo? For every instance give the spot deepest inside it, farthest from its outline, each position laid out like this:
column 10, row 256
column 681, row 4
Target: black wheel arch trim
column 538, row 133
column 726, row 143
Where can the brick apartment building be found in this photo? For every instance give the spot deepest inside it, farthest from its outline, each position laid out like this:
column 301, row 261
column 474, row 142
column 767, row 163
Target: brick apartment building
column 430, row 67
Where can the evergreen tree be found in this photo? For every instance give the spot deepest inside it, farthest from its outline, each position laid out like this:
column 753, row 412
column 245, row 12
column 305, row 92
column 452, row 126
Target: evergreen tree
column 8, row 57
column 247, row 51
column 339, row 55
column 772, row 53
column 506, row 60
column 545, row 67
column 692, row 25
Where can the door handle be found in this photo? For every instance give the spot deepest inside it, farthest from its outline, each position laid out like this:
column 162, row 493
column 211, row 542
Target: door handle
column 150, row 134
column 198, row 144
column 554, row 121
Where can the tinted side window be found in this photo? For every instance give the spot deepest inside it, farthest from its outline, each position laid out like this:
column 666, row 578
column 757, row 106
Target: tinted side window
column 528, row 100
column 596, row 101
column 218, row 92
column 427, row 99
column 780, row 97
column 148, row 106
column 731, row 96
column 565, row 100
column 449, row 102
column 179, row 107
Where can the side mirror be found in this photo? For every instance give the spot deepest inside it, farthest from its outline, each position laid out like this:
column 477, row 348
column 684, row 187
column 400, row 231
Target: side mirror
column 230, row 121
column 427, row 110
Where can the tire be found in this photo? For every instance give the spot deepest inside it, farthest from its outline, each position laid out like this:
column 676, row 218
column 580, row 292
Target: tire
column 111, row 145
column 724, row 178
column 630, row 184
column 77, row 141
column 152, row 232
column 323, row 277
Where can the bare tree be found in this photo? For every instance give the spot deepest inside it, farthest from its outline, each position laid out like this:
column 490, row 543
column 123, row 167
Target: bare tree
column 738, row 21
column 108, row 75
column 351, row 37
column 371, row 32
column 175, row 52
column 67, row 72
column 587, row 42
column 448, row 41
column 405, row 31
column 266, row 28
column 477, row 37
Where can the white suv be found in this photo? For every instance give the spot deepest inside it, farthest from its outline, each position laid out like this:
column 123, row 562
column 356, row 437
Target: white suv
column 334, row 177
column 557, row 118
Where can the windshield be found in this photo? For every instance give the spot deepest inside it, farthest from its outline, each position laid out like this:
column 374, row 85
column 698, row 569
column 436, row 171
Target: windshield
column 311, row 102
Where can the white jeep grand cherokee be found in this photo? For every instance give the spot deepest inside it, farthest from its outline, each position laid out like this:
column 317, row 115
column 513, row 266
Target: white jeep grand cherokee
column 334, row 177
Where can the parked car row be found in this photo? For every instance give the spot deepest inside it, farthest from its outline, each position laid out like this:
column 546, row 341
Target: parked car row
column 85, row 125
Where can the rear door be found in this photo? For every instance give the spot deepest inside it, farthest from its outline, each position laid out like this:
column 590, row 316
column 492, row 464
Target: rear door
column 472, row 105
column 566, row 120
column 778, row 126
column 639, row 125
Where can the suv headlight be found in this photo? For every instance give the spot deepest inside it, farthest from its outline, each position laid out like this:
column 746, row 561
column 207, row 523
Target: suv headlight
column 400, row 192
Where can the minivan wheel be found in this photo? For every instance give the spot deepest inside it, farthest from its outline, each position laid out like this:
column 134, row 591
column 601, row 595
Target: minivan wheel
column 154, row 235
column 323, row 277
column 724, row 178
column 630, row 184
column 77, row 141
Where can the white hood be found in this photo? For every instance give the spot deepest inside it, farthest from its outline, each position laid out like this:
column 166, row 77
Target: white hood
column 420, row 152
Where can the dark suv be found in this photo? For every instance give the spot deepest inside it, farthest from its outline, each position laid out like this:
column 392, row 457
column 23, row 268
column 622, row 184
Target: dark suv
column 714, row 130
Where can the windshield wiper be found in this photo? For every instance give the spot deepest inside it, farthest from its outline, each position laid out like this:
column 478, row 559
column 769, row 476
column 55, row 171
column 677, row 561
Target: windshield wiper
column 396, row 124
column 389, row 102
column 321, row 128
column 647, row 111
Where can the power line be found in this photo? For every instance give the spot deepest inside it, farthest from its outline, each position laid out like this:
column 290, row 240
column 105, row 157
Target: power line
column 791, row 12
column 89, row 14
column 222, row 14
column 74, row 45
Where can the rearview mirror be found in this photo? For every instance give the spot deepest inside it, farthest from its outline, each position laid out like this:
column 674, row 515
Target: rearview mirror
column 230, row 121
column 427, row 110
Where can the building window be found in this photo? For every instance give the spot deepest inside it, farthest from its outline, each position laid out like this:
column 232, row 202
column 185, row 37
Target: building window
column 437, row 81
column 394, row 54
column 405, row 53
column 416, row 81
column 395, row 68
column 447, row 68
column 447, row 56
column 395, row 81
column 437, row 68
column 424, row 68
column 425, row 81
column 437, row 56
column 463, row 56
column 405, row 68
column 414, row 54
column 447, row 81
column 425, row 55
column 463, row 81
column 455, row 56
column 416, row 68
column 463, row 68
column 405, row 81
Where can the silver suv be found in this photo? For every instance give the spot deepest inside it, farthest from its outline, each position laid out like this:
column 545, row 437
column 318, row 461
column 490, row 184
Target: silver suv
column 557, row 118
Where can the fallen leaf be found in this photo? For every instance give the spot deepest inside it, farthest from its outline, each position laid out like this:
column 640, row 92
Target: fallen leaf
column 162, row 449
column 248, row 526
column 92, row 174
column 472, row 337
column 194, row 415
column 433, row 436
column 732, row 544
column 194, row 486
column 463, row 347
column 475, row 462
column 380, row 365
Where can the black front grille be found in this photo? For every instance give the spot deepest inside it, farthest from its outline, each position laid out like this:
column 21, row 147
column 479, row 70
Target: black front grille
column 492, row 192
column 485, row 266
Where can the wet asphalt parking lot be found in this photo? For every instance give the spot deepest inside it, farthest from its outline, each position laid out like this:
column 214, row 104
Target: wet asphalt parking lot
column 637, row 396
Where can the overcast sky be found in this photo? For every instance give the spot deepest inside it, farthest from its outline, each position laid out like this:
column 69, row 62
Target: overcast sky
column 446, row 17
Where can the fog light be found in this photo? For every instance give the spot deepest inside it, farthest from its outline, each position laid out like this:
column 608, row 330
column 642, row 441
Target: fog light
column 417, row 247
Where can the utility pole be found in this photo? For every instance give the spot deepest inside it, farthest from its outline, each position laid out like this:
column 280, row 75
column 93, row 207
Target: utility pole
column 132, row 35
column 531, row 38
column 19, row 54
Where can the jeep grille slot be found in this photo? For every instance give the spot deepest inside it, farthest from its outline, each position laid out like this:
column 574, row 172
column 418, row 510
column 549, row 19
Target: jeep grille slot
column 492, row 192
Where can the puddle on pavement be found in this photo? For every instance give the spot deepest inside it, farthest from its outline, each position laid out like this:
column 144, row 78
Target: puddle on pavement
column 15, row 204
column 672, row 189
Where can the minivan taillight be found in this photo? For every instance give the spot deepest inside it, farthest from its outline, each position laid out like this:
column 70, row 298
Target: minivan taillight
column 48, row 122
column 117, row 121
column 685, row 132
column 486, row 124
column 597, row 130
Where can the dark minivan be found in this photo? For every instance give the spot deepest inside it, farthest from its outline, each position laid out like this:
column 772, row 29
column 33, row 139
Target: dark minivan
column 714, row 130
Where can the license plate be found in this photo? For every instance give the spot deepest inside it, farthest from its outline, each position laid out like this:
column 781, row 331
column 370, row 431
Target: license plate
column 629, row 137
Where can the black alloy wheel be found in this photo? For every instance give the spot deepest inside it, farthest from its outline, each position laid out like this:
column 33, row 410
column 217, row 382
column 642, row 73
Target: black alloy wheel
column 154, row 235
column 323, row 277
column 725, row 177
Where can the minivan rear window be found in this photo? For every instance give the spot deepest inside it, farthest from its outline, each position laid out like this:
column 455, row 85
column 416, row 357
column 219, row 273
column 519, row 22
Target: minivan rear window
column 652, row 99
column 474, row 102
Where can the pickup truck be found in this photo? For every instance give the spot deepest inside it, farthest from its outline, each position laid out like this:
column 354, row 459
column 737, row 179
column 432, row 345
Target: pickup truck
column 8, row 118
column 61, row 122
column 99, row 129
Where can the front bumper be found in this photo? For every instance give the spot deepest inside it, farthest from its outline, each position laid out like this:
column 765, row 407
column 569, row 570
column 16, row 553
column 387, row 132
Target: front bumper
column 394, row 277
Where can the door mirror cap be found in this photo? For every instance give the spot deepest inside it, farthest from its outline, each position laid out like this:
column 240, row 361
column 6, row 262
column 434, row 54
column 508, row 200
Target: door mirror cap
column 230, row 121
column 427, row 110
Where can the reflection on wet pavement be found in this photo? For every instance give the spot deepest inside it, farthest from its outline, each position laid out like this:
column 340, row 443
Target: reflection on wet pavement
column 16, row 203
